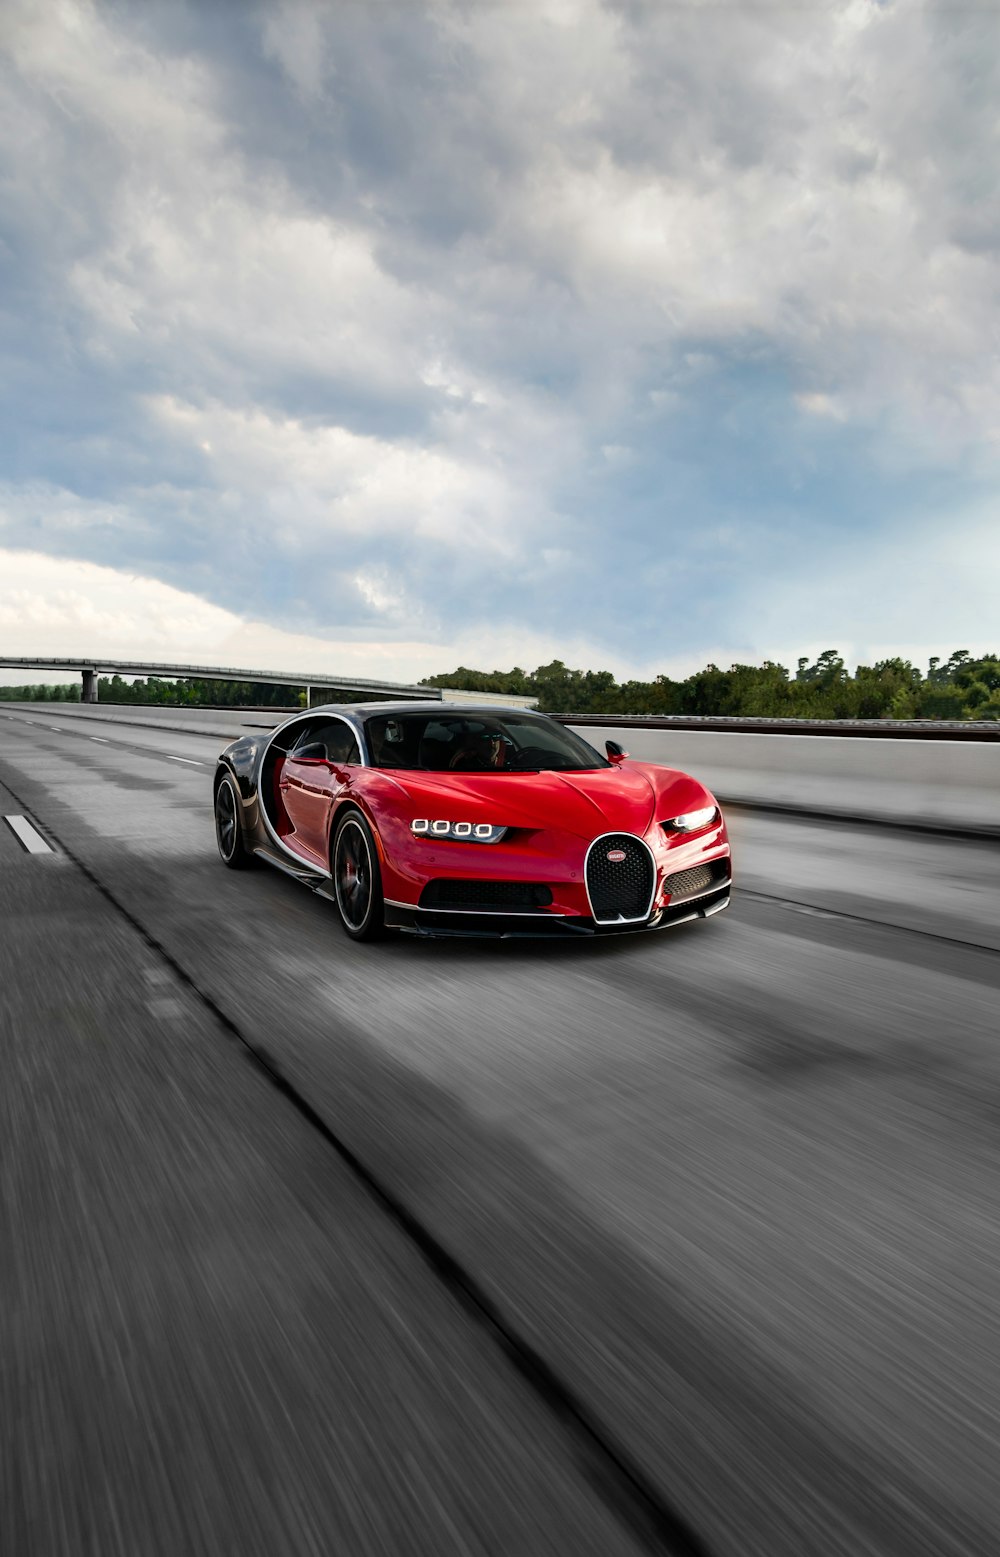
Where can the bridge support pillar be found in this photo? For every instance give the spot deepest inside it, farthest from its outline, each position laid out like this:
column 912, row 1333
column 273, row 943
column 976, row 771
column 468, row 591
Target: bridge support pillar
column 89, row 686
column 309, row 697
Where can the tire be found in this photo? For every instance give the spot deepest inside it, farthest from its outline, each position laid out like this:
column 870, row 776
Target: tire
column 228, row 830
column 357, row 879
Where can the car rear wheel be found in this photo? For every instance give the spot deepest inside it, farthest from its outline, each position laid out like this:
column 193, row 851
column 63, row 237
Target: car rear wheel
column 357, row 880
column 228, row 832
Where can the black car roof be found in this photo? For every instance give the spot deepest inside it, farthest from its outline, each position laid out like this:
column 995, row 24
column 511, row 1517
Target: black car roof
column 423, row 706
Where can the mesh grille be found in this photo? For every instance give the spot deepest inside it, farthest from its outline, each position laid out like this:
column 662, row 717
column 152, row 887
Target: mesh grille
column 620, row 889
column 684, row 881
column 509, row 897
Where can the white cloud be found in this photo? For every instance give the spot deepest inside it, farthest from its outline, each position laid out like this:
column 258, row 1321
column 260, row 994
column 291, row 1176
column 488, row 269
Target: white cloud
column 200, row 259
column 293, row 34
column 205, row 275
column 818, row 404
column 51, row 606
column 620, row 172
column 781, row 182
column 378, row 591
column 320, row 483
column 400, row 309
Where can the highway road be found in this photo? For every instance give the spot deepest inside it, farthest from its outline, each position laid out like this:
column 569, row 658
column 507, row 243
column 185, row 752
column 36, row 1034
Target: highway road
column 680, row 1242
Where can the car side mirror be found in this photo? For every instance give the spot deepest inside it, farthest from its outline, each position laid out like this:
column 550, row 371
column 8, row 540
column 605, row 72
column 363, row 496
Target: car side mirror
column 615, row 752
column 314, row 752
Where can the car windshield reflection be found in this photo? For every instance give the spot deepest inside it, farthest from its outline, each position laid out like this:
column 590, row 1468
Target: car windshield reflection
column 477, row 743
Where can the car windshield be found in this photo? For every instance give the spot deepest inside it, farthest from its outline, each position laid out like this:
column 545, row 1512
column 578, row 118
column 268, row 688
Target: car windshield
column 477, row 743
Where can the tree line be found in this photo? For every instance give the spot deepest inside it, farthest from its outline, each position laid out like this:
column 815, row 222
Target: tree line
column 960, row 687
column 44, row 693
column 185, row 692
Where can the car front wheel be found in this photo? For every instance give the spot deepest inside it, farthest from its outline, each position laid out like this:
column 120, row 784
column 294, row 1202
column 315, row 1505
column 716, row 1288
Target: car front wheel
column 357, row 880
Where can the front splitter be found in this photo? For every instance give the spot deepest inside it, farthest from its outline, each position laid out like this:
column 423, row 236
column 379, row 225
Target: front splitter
column 435, row 925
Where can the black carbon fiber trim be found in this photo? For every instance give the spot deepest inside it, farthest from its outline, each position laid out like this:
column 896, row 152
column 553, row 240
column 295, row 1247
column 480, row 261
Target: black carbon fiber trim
column 510, row 897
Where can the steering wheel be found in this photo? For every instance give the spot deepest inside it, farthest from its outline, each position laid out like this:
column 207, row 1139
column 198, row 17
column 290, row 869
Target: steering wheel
column 530, row 757
column 467, row 762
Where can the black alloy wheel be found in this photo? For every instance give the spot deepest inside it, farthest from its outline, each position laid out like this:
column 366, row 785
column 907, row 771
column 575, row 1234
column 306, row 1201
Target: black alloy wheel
column 357, row 880
column 228, row 833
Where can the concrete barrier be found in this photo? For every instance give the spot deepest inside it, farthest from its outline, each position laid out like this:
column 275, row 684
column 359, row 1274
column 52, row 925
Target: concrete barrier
column 924, row 783
column 226, row 722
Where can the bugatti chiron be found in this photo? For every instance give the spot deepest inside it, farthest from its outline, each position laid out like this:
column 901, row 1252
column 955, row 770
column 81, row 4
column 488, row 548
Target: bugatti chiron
column 454, row 819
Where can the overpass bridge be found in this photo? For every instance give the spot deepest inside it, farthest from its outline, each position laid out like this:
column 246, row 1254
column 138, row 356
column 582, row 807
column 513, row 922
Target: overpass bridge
column 91, row 669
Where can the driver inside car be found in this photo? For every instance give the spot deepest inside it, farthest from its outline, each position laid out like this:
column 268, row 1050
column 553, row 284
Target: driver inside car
column 478, row 752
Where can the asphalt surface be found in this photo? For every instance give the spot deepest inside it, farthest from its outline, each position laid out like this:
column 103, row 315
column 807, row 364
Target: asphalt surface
column 698, row 1227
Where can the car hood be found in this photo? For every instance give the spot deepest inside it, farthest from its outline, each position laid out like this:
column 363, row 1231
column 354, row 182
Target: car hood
column 629, row 798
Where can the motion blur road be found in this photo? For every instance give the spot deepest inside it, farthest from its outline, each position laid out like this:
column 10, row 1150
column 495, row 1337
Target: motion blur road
column 691, row 1232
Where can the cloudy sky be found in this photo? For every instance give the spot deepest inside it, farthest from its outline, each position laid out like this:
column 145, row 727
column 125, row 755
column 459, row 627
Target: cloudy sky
column 386, row 336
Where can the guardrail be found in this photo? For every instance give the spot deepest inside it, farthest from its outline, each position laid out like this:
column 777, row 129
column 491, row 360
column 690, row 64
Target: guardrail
column 873, row 729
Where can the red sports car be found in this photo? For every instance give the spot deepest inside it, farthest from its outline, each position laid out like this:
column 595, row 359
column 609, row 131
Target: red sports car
column 451, row 819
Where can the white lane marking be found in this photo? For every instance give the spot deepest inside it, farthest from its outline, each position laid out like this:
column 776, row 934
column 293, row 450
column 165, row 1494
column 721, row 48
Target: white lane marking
column 23, row 830
column 162, row 1001
column 191, row 760
column 165, row 1008
column 102, row 738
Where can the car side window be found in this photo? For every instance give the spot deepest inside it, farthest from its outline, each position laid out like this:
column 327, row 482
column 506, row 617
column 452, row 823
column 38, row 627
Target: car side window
column 303, row 735
column 341, row 744
column 334, row 734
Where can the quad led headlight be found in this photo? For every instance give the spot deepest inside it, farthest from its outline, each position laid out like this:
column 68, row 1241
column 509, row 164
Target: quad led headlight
column 461, row 832
column 692, row 821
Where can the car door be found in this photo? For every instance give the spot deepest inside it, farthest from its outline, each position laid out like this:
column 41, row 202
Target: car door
column 314, row 773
